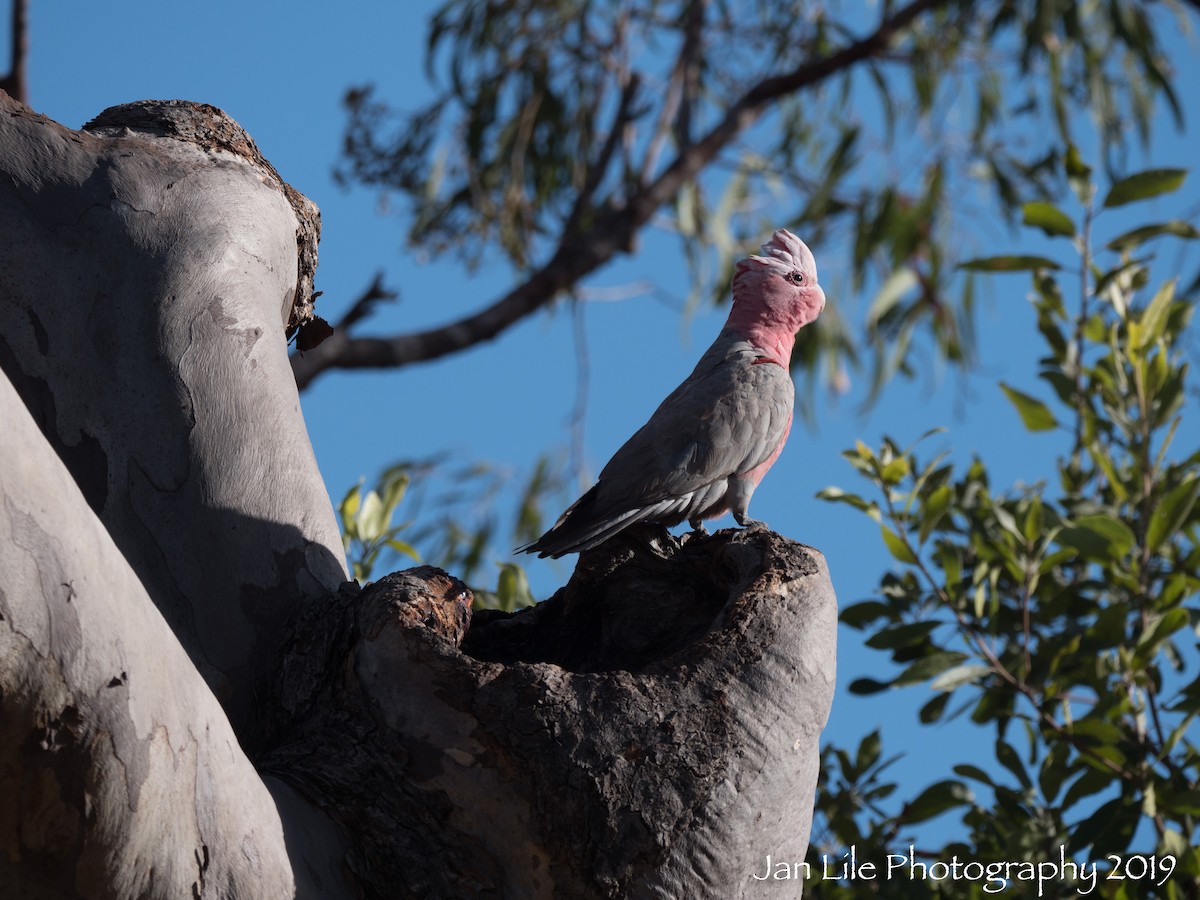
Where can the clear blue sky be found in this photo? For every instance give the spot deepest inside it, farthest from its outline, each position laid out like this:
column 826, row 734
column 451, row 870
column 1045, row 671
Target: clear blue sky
column 280, row 70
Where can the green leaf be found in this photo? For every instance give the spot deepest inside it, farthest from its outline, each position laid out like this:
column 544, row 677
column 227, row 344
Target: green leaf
column 1095, row 732
column 394, row 490
column 896, row 286
column 1079, row 175
column 966, row 770
column 1184, row 803
column 896, row 546
column 1110, row 827
column 1149, row 328
column 928, row 667
column 1007, row 757
column 1054, row 770
column 372, row 518
column 903, row 635
column 868, row 686
column 934, row 509
column 859, row 615
column 1168, row 623
column 348, row 510
column 1097, row 537
column 894, row 471
column 512, row 588
column 837, row 495
column 1143, row 185
column 1138, row 236
column 958, row 676
column 1017, row 263
column 869, row 749
column 1048, row 217
column 404, row 547
column 1034, row 413
column 1172, row 511
column 1092, row 781
column 933, row 710
column 937, row 799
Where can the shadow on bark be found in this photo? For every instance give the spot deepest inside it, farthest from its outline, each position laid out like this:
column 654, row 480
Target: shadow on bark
column 650, row 731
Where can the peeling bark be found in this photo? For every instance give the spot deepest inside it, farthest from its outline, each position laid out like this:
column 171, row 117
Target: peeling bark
column 195, row 704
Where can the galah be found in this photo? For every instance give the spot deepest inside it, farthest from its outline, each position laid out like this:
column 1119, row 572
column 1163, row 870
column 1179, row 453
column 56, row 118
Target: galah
column 708, row 445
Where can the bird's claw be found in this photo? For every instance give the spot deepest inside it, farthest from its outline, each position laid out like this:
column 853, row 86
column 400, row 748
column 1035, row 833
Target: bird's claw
column 697, row 527
column 750, row 524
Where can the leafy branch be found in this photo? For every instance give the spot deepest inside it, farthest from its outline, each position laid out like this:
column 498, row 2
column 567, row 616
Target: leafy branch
column 1075, row 603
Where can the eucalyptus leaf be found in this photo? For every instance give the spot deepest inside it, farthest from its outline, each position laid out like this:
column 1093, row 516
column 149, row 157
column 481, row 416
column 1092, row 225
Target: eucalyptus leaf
column 1171, row 512
column 1034, row 413
column 1138, row 236
column 1012, row 263
column 896, row 546
column 1144, row 185
column 960, row 675
column 1048, row 217
column 937, row 799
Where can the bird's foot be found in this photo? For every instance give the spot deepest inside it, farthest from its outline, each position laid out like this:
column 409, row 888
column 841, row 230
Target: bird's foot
column 697, row 527
column 748, row 523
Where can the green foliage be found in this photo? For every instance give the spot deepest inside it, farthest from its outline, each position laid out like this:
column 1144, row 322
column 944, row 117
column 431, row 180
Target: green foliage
column 1062, row 619
column 562, row 129
column 367, row 529
column 458, row 527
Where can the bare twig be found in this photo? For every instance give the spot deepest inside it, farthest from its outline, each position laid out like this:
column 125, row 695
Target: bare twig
column 365, row 304
column 597, row 169
column 582, row 379
column 616, row 223
column 689, row 57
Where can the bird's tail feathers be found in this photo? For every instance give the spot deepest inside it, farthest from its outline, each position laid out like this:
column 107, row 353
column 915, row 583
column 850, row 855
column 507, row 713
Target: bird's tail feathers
column 579, row 529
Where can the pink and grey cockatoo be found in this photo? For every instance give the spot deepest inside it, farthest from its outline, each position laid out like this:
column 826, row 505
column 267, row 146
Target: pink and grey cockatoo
column 708, row 445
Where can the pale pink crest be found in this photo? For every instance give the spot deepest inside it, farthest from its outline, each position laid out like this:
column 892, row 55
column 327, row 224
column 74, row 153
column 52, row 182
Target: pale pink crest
column 782, row 254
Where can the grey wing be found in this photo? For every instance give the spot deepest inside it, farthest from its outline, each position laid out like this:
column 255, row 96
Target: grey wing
column 722, row 423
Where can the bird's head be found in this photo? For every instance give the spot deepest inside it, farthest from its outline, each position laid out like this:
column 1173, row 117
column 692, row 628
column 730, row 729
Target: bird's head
column 778, row 288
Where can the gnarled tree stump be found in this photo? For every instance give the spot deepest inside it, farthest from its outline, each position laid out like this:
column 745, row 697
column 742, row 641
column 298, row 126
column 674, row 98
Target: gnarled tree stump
column 194, row 702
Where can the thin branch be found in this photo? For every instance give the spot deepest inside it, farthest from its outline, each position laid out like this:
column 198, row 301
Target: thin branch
column 1080, row 326
column 596, row 171
column 16, row 83
column 365, row 304
column 693, row 27
column 582, row 380
column 662, row 127
column 613, row 231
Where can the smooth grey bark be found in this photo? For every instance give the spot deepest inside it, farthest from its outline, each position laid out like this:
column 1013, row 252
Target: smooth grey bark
column 110, row 784
column 651, row 731
column 149, row 266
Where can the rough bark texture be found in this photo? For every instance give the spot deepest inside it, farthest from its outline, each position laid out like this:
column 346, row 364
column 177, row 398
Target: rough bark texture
column 651, row 731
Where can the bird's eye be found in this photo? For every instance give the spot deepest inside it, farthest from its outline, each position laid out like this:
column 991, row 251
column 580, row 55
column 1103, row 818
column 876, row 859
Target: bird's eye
column 796, row 277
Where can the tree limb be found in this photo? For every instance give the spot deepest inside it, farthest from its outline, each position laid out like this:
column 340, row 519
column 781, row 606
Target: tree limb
column 419, row 745
column 16, row 82
column 163, row 383
column 120, row 774
column 615, row 226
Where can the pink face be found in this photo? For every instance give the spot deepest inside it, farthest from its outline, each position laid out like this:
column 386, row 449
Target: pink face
column 782, row 282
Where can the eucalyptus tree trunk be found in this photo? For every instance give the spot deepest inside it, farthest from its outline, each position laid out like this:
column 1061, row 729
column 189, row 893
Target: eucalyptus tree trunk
column 194, row 702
